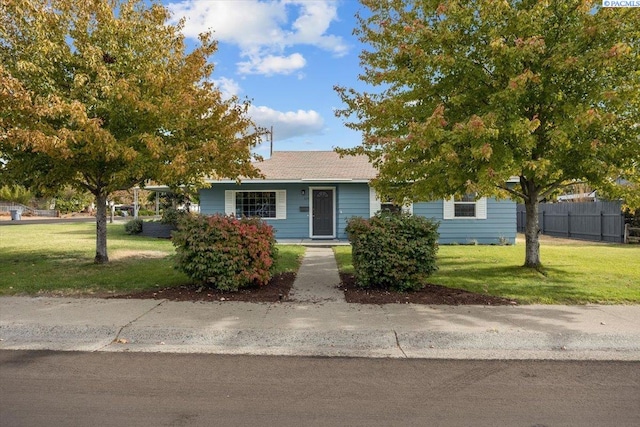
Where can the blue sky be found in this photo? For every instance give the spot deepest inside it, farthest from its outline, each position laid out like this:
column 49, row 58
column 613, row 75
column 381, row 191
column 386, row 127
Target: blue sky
column 285, row 56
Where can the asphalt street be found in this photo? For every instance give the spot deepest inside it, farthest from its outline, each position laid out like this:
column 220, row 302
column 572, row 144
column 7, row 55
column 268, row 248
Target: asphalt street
column 39, row 388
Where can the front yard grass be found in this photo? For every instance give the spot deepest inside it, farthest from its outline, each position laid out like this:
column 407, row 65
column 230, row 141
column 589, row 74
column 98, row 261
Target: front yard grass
column 575, row 273
column 58, row 259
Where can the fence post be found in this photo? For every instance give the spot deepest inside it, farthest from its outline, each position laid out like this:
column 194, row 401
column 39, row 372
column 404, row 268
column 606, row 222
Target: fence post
column 568, row 224
column 626, row 234
column 601, row 225
column 543, row 212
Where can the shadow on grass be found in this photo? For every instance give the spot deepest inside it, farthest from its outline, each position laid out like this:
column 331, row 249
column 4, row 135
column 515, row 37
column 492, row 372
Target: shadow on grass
column 554, row 285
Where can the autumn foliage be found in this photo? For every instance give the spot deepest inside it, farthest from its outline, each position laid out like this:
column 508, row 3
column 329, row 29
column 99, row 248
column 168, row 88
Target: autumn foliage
column 224, row 252
column 462, row 97
column 107, row 95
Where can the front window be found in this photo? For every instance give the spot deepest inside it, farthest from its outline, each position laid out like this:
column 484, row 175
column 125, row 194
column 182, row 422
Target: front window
column 388, row 205
column 465, row 206
column 260, row 204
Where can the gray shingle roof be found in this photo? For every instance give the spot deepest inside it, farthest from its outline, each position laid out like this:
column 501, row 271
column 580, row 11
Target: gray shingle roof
column 316, row 165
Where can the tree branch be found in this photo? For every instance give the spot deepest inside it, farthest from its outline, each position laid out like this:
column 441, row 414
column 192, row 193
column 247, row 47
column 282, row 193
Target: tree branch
column 555, row 185
column 511, row 191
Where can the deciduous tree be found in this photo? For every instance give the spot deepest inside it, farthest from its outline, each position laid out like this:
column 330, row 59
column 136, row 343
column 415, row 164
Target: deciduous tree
column 468, row 94
column 104, row 95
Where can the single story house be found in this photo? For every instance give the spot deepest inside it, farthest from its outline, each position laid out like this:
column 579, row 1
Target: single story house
column 312, row 194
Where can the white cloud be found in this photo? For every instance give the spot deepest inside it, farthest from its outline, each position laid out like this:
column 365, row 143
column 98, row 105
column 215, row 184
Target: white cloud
column 242, row 22
column 287, row 124
column 228, row 87
column 314, row 20
column 264, row 30
column 272, row 64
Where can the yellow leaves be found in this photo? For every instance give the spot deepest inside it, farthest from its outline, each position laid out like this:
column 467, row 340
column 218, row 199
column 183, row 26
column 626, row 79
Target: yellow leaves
column 153, row 145
column 533, row 124
column 498, row 43
column 521, row 80
column 619, row 49
column 486, row 151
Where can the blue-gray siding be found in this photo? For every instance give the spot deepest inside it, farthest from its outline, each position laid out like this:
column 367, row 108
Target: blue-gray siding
column 352, row 199
column 499, row 227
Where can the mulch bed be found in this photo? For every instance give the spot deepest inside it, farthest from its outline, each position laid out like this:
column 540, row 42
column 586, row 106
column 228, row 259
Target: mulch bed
column 276, row 290
column 279, row 287
column 430, row 294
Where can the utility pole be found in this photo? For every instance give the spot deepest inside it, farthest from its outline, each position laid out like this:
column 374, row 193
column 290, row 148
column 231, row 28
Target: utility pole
column 271, row 139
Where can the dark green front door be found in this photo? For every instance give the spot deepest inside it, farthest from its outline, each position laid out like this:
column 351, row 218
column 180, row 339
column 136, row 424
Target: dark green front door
column 322, row 222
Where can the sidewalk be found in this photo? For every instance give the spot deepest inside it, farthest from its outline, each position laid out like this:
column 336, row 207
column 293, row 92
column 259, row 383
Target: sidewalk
column 320, row 323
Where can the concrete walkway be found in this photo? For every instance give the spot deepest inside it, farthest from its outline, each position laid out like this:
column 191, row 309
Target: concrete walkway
column 319, row 323
column 317, row 279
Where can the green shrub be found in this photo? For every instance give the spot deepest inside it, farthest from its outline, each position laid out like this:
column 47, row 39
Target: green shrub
column 16, row 194
column 69, row 200
column 224, row 252
column 133, row 227
column 173, row 216
column 393, row 251
column 146, row 212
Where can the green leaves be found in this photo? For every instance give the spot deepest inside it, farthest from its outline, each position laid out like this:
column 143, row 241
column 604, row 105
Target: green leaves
column 466, row 95
column 516, row 88
column 394, row 251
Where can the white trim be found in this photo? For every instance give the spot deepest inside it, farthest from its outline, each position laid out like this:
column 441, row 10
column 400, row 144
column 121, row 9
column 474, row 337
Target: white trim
column 408, row 209
column 311, row 235
column 281, row 202
column 448, row 209
column 374, row 202
column 481, row 208
column 230, row 202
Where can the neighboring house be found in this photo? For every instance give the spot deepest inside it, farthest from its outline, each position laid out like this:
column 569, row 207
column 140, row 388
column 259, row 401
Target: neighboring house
column 312, row 194
column 579, row 197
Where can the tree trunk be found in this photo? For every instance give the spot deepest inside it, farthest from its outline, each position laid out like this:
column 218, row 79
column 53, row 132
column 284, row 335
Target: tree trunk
column 101, row 229
column 532, row 231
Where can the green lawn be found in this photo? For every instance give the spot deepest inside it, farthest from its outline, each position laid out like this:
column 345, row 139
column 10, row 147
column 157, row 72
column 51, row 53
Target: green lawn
column 574, row 273
column 58, row 258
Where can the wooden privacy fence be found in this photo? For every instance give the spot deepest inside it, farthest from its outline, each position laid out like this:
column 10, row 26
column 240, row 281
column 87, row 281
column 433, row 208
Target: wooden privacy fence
column 631, row 234
column 596, row 221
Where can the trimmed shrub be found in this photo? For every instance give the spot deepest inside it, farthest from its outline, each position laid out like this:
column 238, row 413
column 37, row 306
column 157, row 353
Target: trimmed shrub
column 173, row 216
column 393, row 250
column 133, row 227
column 224, row 252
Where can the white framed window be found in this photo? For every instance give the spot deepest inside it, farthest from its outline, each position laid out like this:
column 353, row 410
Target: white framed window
column 267, row 204
column 376, row 204
column 465, row 207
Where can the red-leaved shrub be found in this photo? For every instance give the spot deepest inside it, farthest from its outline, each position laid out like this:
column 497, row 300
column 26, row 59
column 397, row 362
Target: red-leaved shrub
column 225, row 252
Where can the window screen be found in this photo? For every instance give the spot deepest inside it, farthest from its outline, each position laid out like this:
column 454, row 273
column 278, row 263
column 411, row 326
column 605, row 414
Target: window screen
column 260, row 204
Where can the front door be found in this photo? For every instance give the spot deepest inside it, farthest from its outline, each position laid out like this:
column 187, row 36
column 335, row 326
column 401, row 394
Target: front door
column 323, row 212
